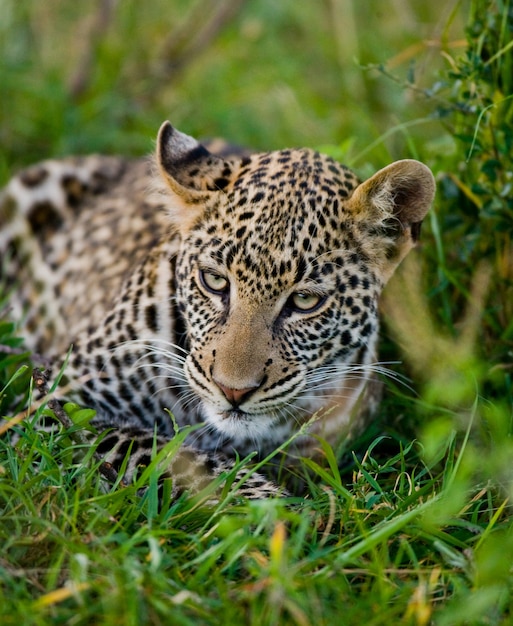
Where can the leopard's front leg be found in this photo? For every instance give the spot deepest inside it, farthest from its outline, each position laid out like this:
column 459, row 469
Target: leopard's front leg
column 189, row 469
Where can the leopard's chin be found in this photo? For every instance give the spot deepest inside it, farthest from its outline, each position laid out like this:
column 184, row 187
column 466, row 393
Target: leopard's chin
column 238, row 425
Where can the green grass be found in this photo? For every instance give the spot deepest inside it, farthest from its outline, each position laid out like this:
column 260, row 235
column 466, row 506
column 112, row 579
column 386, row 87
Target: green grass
column 400, row 539
column 416, row 528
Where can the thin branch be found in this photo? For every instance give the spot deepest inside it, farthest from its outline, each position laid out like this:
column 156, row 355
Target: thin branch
column 100, row 23
column 201, row 27
column 41, row 383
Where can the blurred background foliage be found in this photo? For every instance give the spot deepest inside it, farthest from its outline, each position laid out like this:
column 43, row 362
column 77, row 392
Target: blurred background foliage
column 102, row 75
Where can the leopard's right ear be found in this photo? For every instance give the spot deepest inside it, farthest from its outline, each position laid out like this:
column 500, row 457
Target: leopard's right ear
column 191, row 173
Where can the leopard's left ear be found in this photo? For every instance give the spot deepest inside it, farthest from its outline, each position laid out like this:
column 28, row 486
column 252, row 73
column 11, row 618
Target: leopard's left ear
column 191, row 173
column 390, row 206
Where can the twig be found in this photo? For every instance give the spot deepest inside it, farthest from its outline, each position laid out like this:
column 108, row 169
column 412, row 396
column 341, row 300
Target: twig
column 195, row 35
column 41, row 383
column 100, row 24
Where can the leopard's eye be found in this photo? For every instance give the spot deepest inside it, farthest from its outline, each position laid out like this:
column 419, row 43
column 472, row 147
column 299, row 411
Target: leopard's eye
column 215, row 283
column 306, row 302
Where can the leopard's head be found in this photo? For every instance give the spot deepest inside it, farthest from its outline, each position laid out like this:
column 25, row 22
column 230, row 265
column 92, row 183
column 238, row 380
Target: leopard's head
column 282, row 259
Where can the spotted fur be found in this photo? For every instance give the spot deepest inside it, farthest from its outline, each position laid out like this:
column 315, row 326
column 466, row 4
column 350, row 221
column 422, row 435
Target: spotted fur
column 239, row 291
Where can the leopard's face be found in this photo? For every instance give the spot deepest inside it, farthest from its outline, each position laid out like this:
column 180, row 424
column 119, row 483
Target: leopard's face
column 279, row 298
column 282, row 260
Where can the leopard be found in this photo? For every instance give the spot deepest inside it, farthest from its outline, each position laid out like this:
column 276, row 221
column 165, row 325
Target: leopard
column 235, row 292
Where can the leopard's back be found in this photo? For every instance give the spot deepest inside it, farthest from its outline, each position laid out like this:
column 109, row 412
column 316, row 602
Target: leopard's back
column 70, row 231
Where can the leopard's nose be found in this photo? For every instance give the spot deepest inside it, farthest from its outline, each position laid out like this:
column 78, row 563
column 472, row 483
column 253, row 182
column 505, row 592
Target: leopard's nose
column 236, row 396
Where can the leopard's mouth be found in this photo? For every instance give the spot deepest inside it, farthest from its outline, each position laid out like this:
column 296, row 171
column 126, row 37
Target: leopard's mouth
column 235, row 414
